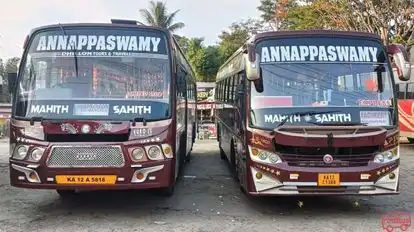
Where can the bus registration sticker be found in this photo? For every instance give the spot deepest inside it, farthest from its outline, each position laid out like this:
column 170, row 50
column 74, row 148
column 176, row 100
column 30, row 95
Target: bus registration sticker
column 95, row 179
column 328, row 179
column 375, row 118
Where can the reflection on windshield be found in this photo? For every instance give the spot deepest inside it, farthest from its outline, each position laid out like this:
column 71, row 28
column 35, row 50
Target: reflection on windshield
column 95, row 73
column 98, row 78
column 327, row 84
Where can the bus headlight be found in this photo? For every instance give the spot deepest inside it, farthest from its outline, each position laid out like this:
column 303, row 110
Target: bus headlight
column 36, row 154
column 387, row 156
column 137, row 154
column 154, row 153
column 20, row 152
column 262, row 156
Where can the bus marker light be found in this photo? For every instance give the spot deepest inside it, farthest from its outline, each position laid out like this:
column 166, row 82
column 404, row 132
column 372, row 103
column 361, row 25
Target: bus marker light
column 121, row 179
column 151, row 178
column 20, row 177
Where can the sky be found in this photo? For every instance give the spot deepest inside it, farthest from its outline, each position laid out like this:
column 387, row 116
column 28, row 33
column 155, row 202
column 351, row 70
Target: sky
column 202, row 18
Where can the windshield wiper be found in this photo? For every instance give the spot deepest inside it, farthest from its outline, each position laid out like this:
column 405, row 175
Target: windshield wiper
column 41, row 120
column 139, row 119
column 144, row 120
column 74, row 51
column 340, row 124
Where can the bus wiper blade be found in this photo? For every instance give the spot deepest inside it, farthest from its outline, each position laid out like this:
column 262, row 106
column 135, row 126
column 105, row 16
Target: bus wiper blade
column 41, row 120
column 139, row 119
column 144, row 120
column 74, row 51
column 310, row 113
column 340, row 124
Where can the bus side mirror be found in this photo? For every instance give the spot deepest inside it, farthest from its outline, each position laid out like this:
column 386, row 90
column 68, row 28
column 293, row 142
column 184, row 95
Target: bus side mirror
column 252, row 63
column 401, row 62
column 12, row 80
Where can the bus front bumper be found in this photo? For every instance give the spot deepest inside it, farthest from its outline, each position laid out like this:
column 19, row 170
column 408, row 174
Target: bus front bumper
column 157, row 174
column 286, row 180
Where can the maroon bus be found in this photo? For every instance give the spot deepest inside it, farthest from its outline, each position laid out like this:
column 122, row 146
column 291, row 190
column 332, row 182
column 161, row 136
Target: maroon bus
column 101, row 106
column 311, row 112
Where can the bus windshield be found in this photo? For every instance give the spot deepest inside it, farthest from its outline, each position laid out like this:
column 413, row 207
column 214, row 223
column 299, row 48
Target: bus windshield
column 98, row 73
column 299, row 91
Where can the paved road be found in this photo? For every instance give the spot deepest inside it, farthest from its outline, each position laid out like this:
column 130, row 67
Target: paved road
column 207, row 199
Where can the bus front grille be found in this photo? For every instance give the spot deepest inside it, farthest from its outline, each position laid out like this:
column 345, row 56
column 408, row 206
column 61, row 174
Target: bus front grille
column 313, row 156
column 86, row 156
column 317, row 160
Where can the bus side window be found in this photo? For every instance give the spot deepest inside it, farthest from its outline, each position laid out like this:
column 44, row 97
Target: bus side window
column 181, row 83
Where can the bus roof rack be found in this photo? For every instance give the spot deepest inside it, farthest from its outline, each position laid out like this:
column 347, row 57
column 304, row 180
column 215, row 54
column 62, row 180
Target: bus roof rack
column 124, row 21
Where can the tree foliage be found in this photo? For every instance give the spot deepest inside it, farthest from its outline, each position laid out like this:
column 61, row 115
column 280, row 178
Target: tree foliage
column 157, row 15
column 389, row 19
column 236, row 35
column 10, row 65
column 392, row 20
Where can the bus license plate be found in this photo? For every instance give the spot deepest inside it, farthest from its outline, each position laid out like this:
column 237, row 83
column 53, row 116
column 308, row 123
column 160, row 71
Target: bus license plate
column 328, row 179
column 95, row 179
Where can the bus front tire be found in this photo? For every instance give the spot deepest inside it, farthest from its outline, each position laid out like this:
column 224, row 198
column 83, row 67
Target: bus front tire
column 167, row 191
column 222, row 154
column 66, row 193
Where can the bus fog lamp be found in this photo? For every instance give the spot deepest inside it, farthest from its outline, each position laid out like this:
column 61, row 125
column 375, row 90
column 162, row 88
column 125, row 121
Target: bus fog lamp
column 259, row 175
column 391, row 175
column 140, row 176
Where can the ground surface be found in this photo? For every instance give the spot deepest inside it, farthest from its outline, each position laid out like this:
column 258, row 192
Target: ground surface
column 206, row 199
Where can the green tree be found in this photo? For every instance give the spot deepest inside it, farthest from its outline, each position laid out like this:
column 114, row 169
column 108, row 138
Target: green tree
column 235, row 37
column 211, row 63
column 182, row 42
column 157, row 15
column 196, row 56
column 274, row 12
column 392, row 20
column 312, row 15
column 11, row 65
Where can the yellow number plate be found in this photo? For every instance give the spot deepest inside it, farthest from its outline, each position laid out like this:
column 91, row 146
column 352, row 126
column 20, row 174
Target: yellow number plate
column 96, row 179
column 328, row 179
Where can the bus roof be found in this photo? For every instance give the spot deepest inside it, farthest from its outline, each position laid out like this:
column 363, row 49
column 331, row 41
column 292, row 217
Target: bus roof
column 117, row 25
column 300, row 33
column 236, row 57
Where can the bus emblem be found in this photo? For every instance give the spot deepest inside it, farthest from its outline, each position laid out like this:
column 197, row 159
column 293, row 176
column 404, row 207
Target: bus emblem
column 327, row 159
column 86, row 128
column 85, row 156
